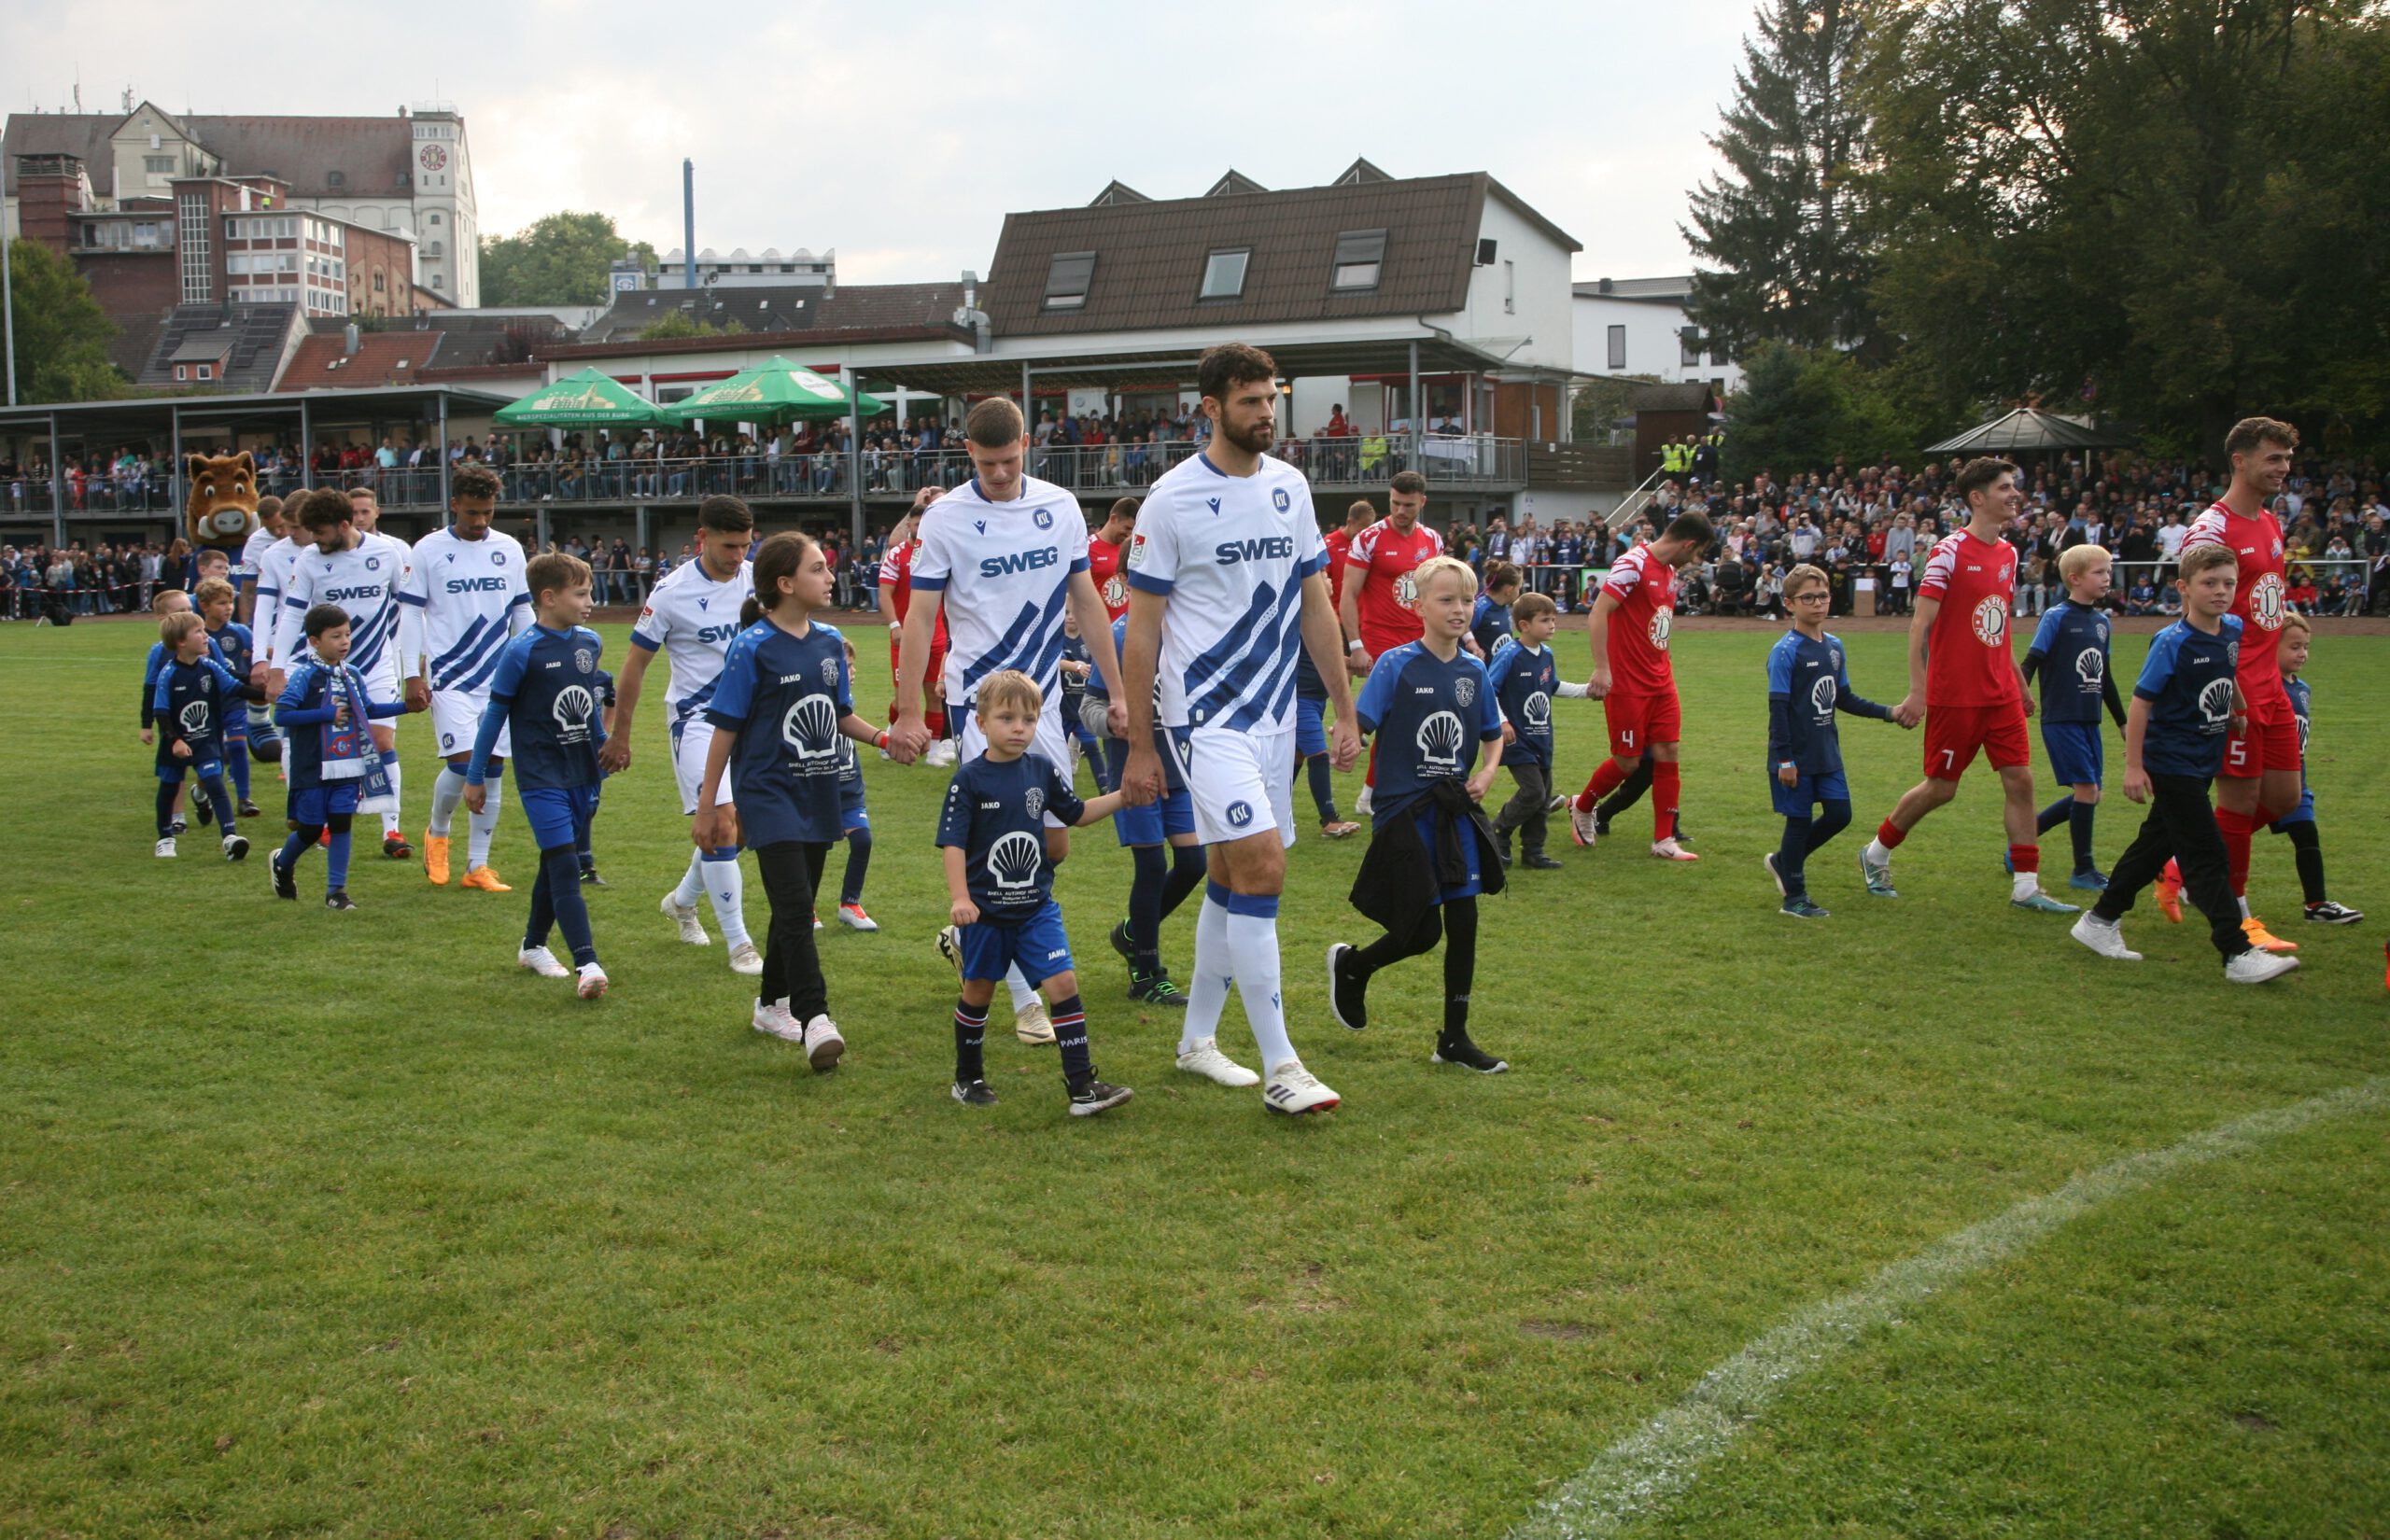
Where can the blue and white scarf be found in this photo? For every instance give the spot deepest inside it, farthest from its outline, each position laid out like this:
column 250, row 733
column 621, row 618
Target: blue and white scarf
column 348, row 751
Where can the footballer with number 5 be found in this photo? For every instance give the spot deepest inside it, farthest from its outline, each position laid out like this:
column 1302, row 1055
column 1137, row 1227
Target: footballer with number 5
column 1964, row 682
column 1225, row 586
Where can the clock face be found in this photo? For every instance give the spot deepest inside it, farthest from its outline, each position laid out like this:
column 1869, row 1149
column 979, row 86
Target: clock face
column 434, row 156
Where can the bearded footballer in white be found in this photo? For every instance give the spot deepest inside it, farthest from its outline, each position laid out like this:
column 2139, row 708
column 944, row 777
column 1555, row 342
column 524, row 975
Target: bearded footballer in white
column 349, row 565
column 464, row 598
column 691, row 617
column 1225, row 582
column 1003, row 556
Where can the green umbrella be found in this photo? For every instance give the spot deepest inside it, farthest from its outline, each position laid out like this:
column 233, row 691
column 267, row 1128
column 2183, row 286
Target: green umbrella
column 590, row 399
column 771, row 394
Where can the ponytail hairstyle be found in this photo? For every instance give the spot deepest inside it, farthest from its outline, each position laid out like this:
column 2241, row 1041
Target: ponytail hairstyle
column 780, row 557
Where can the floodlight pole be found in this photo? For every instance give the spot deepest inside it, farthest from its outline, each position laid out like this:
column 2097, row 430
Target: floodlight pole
column 9, row 287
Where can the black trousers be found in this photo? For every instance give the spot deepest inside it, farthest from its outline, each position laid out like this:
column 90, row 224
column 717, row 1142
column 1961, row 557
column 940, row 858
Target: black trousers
column 2181, row 825
column 792, row 871
column 1525, row 811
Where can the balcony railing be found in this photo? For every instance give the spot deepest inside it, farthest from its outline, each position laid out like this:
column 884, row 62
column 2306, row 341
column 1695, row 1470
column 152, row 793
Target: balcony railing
column 1358, row 463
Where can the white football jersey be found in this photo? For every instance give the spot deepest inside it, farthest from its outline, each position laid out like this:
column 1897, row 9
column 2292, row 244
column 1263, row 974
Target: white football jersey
column 1003, row 570
column 274, row 575
column 690, row 619
column 462, row 600
column 253, row 550
column 1231, row 553
column 364, row 580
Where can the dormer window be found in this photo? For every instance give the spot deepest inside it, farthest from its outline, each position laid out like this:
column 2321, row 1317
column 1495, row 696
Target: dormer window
column 1067, row 280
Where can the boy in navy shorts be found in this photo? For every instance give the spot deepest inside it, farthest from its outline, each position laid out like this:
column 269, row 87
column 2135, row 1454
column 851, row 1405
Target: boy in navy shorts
column 193, row 695
column 1000, row 885
column 1808, row 680
column 2070, row 652
column 323, row 711
column 544, row 695
column 2187, row 703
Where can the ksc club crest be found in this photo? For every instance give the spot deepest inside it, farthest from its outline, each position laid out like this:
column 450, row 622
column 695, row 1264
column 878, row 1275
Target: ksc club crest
column 1992, row 620
column 1042, row 518
column 1279, row 500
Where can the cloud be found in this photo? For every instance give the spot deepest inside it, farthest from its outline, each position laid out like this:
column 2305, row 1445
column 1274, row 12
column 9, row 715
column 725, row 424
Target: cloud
column 904, row 142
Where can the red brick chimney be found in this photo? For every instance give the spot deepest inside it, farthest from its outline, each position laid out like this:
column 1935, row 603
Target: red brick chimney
column 49, row 193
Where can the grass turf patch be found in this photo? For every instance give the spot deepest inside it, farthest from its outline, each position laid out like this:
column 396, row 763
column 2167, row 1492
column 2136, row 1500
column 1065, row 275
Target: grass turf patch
column 342, row 1225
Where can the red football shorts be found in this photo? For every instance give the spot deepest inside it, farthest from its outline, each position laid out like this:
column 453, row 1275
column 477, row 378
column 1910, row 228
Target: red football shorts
column 896, row 671
column 2270, row 743
column 1954, row 734
column 1639, row 722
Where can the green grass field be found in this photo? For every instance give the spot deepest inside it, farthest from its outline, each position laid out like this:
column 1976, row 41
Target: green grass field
column 340, row 1225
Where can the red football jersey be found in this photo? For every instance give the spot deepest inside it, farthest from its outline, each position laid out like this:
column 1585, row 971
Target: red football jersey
column 1340, row 551
column 1646, row 591
column 2263, row 597
column 1104, row 566
column 1384, row 560
column 896, row 572
column 1967, row 660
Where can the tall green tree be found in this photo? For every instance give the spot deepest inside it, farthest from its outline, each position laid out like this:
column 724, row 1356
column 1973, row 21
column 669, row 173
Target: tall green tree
column 1783, row 233
column 560, row 259
column 1800, row 408
column 2158, row 209
column 62, row 334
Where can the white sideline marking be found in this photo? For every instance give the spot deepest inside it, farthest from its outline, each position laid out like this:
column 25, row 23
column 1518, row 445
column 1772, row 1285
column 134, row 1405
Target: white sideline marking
column 1642, row 1471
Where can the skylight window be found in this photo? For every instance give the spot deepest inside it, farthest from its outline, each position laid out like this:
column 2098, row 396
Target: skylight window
column 1224, row 275
column 1360, row 255
column 1067, row 280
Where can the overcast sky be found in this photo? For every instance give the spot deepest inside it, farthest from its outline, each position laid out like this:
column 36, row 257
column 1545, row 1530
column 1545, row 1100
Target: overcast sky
column 903, row 140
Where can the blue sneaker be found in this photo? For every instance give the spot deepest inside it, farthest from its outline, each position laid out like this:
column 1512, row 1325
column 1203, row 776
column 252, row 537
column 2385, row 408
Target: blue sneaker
column 2041, row 904
column 1801, row 908
column 1879, row 879
column 2091, row 882
column 2007, row 863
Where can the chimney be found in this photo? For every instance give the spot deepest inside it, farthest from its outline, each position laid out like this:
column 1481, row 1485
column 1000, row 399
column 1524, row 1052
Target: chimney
column 49, row 193
column 350, row 340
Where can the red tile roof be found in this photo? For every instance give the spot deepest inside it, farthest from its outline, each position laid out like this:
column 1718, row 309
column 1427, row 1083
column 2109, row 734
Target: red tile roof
column 382, row 358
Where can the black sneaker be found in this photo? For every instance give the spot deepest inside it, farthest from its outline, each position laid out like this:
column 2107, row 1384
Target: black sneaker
column 248, row 808
column 1156, row 989
column 1095, row 1095
column 2328, row 913
column 206, row 814
column 976, row 1094
column 1348, row 990
column 1536, row 860
column 1119, row 939
column 176, row 827
column 591, row 879
column 338, row 898
column 1469, row 1055
column 395, row 847
column 1601, row 825
column 285, row 885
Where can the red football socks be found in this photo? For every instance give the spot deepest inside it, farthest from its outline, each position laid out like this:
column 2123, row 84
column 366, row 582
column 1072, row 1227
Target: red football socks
column 1604, row 781
column 2236, row 828
column 2025, row 857
column 1888, row 836
column 1667, row 784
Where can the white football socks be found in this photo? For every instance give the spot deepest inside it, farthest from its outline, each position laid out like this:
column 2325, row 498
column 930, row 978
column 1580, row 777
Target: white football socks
column 446, row 793
column 480, row 826
column 1207, row 984
column 692, row 881
column 1023, row 997
column 390, row 820
column 1875, row 853
column 2024, row 885
column 727, row 888
column 1252, row 947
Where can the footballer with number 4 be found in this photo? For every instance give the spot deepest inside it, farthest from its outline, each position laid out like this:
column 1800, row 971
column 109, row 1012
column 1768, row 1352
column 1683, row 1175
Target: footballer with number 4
column 463, row 600
column 1224, row 584
column 1964, row 684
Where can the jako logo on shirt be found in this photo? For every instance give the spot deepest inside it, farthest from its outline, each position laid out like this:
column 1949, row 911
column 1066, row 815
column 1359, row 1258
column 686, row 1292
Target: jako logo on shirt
column 477, row 586
column 1272, row 548
column 1019, row 561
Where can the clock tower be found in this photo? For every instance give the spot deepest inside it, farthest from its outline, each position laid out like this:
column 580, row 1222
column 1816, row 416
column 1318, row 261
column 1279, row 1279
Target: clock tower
column 446, row 228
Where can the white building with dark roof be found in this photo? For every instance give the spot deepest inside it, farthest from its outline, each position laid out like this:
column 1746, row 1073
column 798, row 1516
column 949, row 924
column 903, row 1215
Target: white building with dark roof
column 1643, row 327
column 410, row 176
